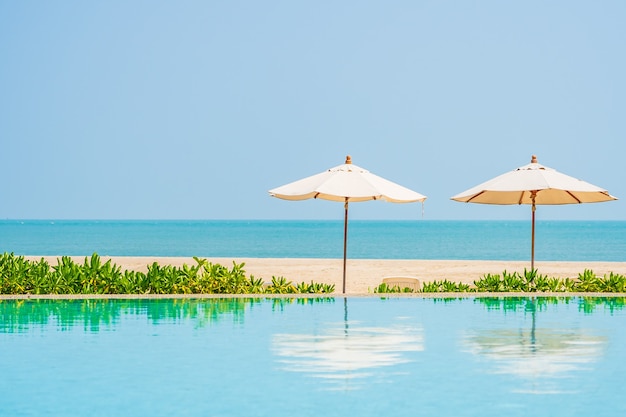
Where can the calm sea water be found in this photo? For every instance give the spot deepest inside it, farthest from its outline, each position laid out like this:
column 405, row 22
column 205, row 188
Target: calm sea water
column 309, row 357
column 492, row 240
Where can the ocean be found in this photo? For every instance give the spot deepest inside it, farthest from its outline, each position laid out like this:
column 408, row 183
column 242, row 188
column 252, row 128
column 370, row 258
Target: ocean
column 367, row 239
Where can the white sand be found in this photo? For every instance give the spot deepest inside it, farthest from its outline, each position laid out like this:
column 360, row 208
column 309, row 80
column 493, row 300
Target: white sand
column 364, row 275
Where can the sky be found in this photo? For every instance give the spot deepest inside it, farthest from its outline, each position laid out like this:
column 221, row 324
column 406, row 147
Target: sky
column 195, row 109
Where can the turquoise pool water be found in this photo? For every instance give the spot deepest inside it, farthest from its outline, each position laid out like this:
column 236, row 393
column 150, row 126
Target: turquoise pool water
column 308, row 357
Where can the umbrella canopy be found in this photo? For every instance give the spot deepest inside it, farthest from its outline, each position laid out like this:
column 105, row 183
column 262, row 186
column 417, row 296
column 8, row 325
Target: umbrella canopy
column 534, row 184
column 346, row 183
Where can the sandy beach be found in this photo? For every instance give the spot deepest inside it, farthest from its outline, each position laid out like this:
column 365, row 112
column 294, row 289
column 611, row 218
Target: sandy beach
column 364, row 275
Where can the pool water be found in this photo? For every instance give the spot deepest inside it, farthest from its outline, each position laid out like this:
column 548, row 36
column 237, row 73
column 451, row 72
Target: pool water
column 331, row 356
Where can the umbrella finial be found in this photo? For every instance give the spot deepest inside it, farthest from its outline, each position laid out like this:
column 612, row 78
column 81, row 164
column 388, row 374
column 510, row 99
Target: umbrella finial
column 348, row 159
column 533, row 160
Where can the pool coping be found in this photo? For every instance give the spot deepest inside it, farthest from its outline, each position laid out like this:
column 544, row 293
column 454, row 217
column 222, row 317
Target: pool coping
column 329, row 295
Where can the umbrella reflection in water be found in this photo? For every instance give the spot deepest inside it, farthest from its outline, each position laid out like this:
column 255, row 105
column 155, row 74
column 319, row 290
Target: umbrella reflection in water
column 543, row 357
column 347, row 353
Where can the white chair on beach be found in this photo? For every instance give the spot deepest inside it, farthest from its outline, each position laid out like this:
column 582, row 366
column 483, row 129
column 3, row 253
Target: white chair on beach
column 403, row 282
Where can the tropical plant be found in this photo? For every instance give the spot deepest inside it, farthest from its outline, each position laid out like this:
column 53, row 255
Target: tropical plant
column 612, row 283
column 386, row 288
column 93, row 276
column 280, row 285
column 490, row 283
column 315, row 288
column 444, row 286
column 256, row 285
column 587, row 282
column 20, row 276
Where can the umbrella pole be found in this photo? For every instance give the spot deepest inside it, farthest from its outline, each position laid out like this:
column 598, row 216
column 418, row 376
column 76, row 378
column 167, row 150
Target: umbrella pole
column 532, row 243
column 345, row 243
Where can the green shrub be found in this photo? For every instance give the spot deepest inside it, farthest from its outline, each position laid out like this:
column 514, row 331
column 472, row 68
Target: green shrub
column 445, row 286
column 612, row 283
column 315, row 288
column 280, row 285
column 587, row 282
column 20, row 276
column 385, row 288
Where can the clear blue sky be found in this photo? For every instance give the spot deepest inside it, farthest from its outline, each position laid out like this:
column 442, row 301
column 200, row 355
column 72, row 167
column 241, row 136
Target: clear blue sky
column 195, row 109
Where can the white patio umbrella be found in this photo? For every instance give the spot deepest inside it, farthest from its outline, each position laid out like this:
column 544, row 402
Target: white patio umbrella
column 346, row 183
column 534, row 184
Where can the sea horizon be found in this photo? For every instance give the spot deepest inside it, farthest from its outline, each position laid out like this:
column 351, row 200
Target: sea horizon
column 555, row 240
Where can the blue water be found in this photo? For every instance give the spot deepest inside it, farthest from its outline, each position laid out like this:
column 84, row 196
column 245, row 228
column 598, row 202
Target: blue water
column 493, row 240
column 310, row 357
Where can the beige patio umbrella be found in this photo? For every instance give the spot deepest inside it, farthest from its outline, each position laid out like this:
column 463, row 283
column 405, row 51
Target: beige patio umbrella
column 534, row 184
column 346, row 183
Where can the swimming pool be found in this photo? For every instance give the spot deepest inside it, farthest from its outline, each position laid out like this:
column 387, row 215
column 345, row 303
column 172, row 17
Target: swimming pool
column 331, row 356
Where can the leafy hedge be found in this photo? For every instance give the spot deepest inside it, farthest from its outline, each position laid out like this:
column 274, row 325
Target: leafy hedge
column 529, row 281
column 21, row 276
